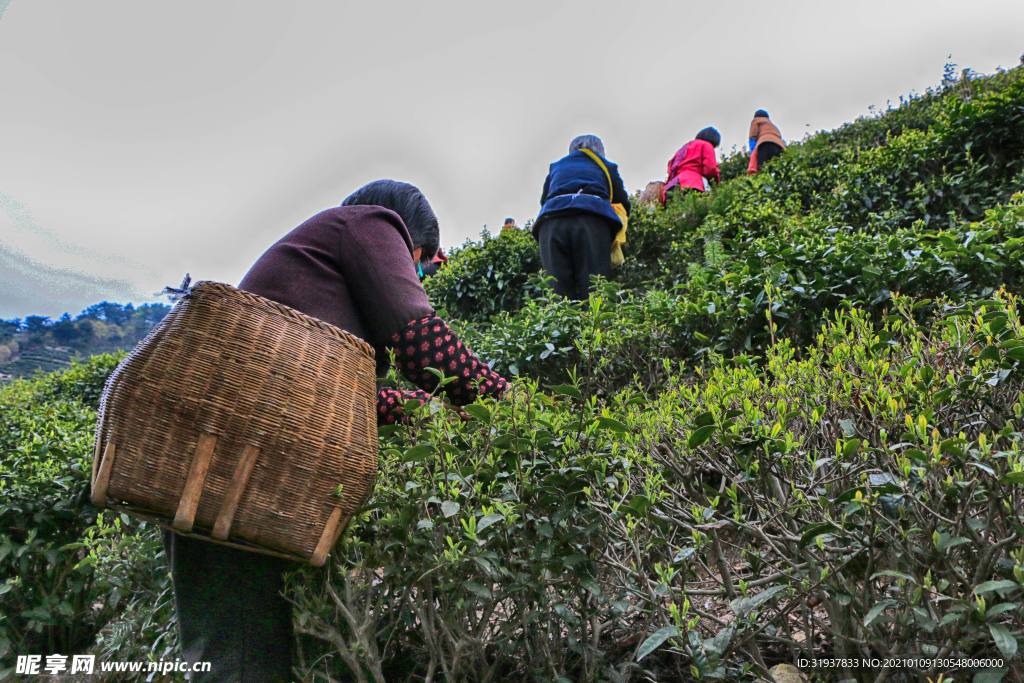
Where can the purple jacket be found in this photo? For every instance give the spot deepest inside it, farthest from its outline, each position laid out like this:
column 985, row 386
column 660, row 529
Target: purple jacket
column 350, row 266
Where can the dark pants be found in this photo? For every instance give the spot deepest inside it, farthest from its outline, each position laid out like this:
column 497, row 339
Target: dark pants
column 231, row 612
column 766, row 151
column 574, row 247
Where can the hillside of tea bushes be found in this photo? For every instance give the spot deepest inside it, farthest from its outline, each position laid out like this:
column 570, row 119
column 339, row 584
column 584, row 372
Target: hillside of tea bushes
column 790, row 426
column 39, row 345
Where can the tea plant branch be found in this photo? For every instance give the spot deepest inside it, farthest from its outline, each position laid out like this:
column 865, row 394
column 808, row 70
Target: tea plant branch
column 330, row 635
column 723, row 567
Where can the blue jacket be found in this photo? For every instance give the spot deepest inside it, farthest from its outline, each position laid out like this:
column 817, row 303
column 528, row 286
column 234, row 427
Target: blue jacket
column 577, row 184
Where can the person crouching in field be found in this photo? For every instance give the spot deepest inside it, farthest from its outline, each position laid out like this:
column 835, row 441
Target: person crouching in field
column 577, row 224
column 354, row 267
column 765, row 141
column 692, row 164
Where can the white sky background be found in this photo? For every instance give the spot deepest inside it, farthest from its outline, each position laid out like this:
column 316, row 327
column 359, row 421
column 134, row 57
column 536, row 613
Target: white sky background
column 140, row 140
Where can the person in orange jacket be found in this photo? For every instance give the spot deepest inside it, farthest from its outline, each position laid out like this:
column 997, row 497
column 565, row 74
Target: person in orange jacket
column 765, row 141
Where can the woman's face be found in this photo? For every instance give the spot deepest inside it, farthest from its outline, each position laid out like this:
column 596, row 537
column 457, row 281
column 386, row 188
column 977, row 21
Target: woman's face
column 417, row 254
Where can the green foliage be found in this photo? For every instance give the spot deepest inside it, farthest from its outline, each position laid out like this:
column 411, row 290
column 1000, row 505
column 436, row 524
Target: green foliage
column 483, row 279
column 481, row 545
column 663, row 243
column 127, row 557
column 813, row 269
column 968, row 158
column 624, row 336
column 919, row 111
column 46, row 597
column 65, row 572
column 879, row 476
column 81, row 382
column 949, row 156
column 620, row 338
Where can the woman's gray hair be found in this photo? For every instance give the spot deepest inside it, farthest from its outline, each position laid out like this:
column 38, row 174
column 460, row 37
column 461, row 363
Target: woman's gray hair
column 591, row 142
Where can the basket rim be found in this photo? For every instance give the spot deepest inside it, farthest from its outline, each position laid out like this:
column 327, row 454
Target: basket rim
column 156, row 519
column 285, row 310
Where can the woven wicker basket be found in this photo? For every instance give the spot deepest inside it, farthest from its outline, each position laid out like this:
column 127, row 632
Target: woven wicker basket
column 236, row 420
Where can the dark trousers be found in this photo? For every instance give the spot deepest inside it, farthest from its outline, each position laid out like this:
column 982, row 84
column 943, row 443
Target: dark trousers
column 766, row 151
column 574, row 247
column 231, row 612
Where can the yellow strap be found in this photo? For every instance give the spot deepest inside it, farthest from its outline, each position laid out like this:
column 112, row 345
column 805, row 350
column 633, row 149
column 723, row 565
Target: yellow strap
column 620, row 210
column 597, row 159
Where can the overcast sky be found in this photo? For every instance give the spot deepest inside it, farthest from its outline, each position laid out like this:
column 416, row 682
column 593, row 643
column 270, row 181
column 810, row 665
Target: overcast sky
column 141, row 140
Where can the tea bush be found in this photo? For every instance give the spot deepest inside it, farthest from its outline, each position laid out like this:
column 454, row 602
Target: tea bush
column 810, row 271
column 969, row 159
column 486, row 278
column 865, row 499
column 46, row 598
column 64, row 573
column 82, row 382
column 965, row 161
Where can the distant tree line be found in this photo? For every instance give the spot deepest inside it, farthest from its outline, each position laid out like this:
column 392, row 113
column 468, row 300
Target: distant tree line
column 102, row 327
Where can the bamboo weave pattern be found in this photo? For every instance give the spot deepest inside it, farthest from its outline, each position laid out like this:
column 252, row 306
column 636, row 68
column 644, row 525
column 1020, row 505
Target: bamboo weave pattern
column 249, row 373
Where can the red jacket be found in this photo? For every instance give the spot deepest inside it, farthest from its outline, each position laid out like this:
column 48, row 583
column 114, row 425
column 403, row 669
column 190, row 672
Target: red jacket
column 691, row 165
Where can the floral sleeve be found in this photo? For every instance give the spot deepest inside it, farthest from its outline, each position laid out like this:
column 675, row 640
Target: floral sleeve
column 390, row 402
column 430, row 343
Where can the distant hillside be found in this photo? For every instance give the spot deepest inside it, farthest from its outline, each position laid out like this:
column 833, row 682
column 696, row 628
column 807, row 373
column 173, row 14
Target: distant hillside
column 38, row 344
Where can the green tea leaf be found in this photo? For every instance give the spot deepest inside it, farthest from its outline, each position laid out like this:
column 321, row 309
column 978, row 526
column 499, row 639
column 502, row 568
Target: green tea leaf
column 611, row 424
column 701, row 435
column 704, row 419
column 418, row 453
column 890, row 572
column 990, row 586
column 812, row 531
column 989, row 676
column 655, row 641
column 567, row 390
column 479, row 412
column 744, row 606
column 1006, row 643
column 875, row 613
column 477, row 589
column 488, row 520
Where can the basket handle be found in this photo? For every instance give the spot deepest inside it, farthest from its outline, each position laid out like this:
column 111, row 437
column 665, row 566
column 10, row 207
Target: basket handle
column 102, row 481
column 234, row 493
column 185, row 517
column 332, row 530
